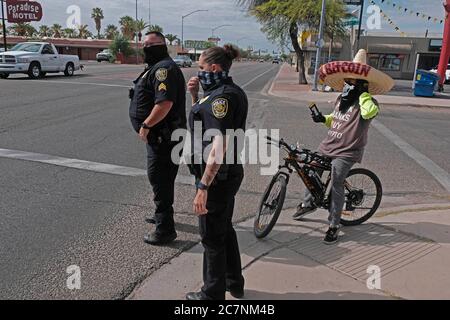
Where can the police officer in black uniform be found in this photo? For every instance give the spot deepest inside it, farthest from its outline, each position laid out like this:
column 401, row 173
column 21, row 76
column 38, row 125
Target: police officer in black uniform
column 158, row 107
column 223, row 107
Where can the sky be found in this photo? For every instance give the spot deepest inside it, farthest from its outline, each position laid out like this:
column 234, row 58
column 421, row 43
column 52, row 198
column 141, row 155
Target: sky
column 167, row 13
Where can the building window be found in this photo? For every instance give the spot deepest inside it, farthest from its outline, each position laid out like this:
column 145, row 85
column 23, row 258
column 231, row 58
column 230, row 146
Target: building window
column 390, row 63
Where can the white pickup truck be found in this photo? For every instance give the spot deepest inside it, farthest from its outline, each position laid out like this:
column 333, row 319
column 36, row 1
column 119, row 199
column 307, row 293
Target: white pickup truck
column 36, row 59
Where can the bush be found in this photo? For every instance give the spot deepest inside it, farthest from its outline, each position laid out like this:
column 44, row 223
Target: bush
column 121, row 44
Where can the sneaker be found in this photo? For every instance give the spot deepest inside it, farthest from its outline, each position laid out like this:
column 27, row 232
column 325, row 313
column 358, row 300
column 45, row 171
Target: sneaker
column 331, row 235
column 302, row 210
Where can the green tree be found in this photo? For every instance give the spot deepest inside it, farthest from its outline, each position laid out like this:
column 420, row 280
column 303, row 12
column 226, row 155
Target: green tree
column 171, row 38
column 140, row 25
column 69, row 33
column 97, row 15
column 44, row 31
column 83, row 31
column 155, row 27
column 121, row 44
column 23, row 30
column 127, row 26
column 56, row 30
column 111, row 31
column 281, row 20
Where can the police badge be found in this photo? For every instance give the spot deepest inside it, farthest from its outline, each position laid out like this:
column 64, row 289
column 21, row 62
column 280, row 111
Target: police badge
column 220, row 108
column 161, row 74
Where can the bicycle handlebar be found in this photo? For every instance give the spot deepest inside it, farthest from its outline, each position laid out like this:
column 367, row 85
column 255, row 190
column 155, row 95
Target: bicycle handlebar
column 308, row 155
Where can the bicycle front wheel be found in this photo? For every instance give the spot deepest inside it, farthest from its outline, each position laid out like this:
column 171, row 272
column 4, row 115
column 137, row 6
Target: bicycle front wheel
column 363, row 193
column 270, row 206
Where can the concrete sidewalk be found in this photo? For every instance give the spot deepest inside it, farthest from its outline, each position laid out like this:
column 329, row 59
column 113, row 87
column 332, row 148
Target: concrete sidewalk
column 410, row 245
column 286, row 86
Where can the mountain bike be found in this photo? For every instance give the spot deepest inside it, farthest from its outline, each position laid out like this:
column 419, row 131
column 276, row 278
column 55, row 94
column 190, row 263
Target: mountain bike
column 363, row 190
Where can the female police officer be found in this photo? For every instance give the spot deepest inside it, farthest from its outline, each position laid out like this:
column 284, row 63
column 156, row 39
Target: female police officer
column 223, row 108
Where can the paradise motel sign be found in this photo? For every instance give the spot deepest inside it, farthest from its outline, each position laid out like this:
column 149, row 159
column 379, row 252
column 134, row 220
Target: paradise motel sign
column 23, row 11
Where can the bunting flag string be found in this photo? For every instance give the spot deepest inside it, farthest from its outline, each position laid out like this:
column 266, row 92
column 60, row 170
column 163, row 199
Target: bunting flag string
column 392, row 23
column 405, row 10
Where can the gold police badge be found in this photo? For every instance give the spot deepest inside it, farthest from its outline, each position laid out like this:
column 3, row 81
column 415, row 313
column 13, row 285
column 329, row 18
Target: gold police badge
column 161, row 74
column 220, row 108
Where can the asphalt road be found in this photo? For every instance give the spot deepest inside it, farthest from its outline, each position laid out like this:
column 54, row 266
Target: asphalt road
column 55, row 216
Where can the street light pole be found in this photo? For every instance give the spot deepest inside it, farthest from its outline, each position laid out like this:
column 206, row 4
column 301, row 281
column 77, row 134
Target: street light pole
column 4, row 27
column 182, row 26
column 319, row 46
column 214, row 29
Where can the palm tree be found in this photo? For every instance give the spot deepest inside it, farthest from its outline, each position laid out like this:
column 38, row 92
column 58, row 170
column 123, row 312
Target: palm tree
column 19, row 29
column 56, row 30
column 83, row 31
column 44, row 31
column 69, row 33
column 97, row 15
column 31, row 31
column 155, row 27
column 171, row 38
column 140, row 26
column 111, row 31
column 127, row 24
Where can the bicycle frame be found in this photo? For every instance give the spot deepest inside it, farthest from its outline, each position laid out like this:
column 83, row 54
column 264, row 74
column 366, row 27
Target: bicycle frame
column 303, row 162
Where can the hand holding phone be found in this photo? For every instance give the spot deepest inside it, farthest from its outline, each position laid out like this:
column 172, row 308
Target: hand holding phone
column 317, row 116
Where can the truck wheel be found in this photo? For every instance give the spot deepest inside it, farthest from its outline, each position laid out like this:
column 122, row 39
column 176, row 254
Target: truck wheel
column 69, row 70
column 4, row 75
column 34, row 71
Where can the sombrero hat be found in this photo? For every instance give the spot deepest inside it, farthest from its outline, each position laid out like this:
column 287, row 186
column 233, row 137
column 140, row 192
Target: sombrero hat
column 333, row 74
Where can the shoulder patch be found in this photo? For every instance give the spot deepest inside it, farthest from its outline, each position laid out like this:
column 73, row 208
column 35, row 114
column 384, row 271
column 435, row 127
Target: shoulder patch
column 220, row 108
column 161, row 74
column 162, row 87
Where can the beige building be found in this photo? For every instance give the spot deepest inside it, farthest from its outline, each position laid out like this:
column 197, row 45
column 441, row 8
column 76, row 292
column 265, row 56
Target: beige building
column 394, row 55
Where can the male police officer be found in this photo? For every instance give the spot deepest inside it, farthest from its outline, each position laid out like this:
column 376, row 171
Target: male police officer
column 158, row 107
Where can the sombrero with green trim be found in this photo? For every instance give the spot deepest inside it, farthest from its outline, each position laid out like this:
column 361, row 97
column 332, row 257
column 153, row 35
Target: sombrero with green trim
column 333, row 74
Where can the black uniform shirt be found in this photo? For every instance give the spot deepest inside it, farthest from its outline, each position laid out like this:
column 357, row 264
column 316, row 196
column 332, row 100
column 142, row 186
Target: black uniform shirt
column 162, row 82
column 222, row 108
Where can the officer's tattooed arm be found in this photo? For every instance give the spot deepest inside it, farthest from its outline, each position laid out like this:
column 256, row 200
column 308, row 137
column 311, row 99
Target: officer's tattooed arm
column 215, row 159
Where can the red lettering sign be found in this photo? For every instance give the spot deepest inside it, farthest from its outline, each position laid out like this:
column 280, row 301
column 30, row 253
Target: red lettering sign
column 23, row 11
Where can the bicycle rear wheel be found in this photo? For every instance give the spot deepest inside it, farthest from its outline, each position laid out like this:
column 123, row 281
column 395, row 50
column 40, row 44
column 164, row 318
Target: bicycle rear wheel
column 363, row 193
column 270, row 206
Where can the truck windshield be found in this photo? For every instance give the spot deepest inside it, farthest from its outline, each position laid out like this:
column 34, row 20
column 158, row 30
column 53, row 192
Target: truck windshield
column 28, row 47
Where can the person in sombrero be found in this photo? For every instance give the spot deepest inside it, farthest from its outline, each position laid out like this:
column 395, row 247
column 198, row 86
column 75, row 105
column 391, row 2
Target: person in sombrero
column 348, row 127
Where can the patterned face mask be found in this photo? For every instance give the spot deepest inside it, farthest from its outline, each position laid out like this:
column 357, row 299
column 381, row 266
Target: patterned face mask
column 209, row 79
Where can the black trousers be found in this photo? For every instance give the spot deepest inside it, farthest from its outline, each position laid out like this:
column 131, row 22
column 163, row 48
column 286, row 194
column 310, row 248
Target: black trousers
column 161, row 174
column 222, row 267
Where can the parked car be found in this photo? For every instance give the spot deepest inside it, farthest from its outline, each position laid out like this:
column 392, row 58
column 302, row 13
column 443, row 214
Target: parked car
column 183, row 61
column 447, row 73
column 261, row 60
column 36, row 59
column 277, row 61
column 105, row 55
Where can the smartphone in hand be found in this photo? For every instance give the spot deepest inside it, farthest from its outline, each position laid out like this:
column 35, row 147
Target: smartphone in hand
column 314, row 110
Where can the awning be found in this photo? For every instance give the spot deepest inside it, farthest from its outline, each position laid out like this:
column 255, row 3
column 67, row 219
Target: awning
column 389, row 48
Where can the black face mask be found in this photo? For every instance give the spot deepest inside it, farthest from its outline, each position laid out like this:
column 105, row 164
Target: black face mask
column 154, row 54
column 351, row 93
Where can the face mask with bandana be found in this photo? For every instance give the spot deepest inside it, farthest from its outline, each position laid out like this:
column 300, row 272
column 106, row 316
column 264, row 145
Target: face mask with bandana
column 351, row 93
column 209, row 79
column 154, row 54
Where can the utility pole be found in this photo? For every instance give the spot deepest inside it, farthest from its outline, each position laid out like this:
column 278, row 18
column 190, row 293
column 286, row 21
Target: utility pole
column 149, row 13
column 360, row 24
column 136, row 35
column 4, row 28
column 319, row 46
